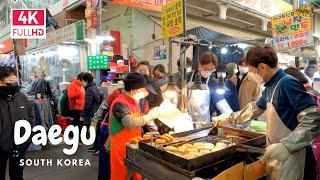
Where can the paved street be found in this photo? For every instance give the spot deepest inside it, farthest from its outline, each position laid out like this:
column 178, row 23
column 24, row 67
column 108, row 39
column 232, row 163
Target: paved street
column 61, row 173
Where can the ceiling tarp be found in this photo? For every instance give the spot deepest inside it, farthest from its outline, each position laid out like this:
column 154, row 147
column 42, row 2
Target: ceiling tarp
column 216, row 37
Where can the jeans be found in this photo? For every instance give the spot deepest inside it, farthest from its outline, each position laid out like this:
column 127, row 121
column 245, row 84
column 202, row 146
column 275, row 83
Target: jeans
column 15, row 170
column 104, row 156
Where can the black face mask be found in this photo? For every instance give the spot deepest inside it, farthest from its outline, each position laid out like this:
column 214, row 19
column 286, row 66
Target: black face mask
column 11, row 89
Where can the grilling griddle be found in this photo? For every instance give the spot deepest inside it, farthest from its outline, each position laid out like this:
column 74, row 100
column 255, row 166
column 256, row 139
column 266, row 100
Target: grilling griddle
column 196, row 136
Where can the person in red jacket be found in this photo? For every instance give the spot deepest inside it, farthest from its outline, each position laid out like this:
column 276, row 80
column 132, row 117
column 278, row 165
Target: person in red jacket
column 76, row 98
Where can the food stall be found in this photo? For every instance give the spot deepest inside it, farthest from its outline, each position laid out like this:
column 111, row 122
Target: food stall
column 204, row 152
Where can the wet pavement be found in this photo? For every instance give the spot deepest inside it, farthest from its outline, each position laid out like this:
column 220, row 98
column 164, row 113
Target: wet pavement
column 60, row 169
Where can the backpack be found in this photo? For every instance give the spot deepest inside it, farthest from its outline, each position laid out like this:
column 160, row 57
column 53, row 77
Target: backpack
column 64, row 109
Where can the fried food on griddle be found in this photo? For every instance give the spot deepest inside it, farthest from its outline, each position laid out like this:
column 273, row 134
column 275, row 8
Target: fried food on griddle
column 202, row 152
column 161, row 141
column 146, row 136
column 169, row 136
column 165, row 138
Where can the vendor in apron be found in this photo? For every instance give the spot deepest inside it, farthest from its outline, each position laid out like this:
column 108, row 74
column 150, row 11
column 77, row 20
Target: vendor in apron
column 203, row 103
column 293, row 120
column 125, row 122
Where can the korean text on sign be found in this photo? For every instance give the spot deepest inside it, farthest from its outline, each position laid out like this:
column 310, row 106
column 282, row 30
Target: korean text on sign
column 298, row 20
column 172, row 19
column 28, row 24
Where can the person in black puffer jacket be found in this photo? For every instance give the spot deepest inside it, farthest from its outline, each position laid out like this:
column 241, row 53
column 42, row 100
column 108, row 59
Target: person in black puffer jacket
column 91, row 106
column 92, row 99
column 14, row 106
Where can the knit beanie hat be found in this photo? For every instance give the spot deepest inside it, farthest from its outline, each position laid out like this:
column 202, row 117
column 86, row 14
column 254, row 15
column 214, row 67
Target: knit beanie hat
column 134, row 81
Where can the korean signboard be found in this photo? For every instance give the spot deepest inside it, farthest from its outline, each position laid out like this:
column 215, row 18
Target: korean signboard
column 172, row 19
column 98, row 62
column 152, row 5
column 292, row 41
column 295, row 21
column 28, row 24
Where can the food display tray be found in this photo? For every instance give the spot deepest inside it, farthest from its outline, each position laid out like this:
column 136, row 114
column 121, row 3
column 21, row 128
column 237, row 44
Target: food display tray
column 201, row 161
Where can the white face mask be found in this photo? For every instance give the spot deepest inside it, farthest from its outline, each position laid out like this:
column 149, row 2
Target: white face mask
column 206, row 74
column 243, row 70
column 139, row 96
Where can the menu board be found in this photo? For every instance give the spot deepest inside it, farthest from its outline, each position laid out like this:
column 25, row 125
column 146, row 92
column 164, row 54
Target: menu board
column 292, row 22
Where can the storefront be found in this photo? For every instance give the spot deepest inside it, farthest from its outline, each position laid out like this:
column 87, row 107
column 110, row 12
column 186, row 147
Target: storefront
column 61, row 56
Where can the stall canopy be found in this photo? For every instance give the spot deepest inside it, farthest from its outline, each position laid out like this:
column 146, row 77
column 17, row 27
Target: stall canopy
column 208, row 35
column 218, row 40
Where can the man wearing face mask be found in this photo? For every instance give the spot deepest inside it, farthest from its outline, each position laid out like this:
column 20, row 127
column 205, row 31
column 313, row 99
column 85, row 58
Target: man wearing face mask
column 293, row 120
column 126, row 121
column 14, row 106
column 206, row 102
column 248, row 86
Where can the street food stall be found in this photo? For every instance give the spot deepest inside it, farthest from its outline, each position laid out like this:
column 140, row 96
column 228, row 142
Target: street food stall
column 203, row 153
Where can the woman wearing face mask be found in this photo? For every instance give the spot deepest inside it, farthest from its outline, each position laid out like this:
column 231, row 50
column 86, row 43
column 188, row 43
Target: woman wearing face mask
column 155, row 97
column 14, row 106
column 202, row 104
column 126, row 121
column 293, row 119
column 248, row 85
column 162, row 79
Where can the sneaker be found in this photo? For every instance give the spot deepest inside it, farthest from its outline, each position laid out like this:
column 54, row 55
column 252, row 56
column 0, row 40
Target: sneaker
column 96, row 152
column 92, row 149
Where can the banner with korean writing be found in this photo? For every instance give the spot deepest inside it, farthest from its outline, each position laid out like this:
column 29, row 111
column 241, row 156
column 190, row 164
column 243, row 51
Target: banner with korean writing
column 172, row 19
column 295, row 21
column 152, row 5
column 297, row 40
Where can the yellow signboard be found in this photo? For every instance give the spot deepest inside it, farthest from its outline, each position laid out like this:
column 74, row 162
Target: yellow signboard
column 172, row 19
column 295, row 21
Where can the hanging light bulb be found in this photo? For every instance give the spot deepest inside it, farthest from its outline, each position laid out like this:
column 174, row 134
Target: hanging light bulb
column 172, row 91
column 224, row 50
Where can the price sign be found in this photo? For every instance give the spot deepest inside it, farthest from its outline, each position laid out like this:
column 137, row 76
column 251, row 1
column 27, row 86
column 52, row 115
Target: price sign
column 28, row 24
column 172, row 19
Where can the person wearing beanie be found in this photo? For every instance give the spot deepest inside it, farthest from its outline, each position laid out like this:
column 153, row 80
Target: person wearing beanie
column 125, row 122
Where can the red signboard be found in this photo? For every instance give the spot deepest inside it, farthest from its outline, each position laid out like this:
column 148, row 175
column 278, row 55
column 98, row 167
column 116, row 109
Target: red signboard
column 152, row 5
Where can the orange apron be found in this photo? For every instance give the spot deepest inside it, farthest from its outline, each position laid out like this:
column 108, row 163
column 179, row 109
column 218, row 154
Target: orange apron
column 119, row 141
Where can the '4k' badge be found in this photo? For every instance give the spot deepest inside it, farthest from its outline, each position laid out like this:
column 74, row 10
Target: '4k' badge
column 28, row 24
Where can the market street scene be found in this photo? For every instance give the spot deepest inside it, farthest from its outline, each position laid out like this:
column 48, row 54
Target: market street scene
column 160, row 89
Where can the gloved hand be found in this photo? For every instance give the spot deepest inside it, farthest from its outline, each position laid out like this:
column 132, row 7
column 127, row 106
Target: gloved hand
column 222, row 119
column 277, row 151
column 153, row 114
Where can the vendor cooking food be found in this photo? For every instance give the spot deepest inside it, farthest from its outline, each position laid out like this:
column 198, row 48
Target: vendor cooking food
column 126, row 122
column 293, row 120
